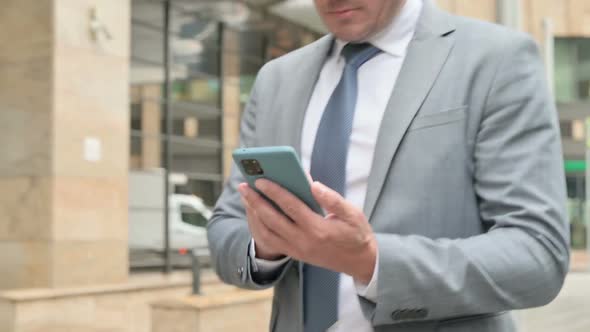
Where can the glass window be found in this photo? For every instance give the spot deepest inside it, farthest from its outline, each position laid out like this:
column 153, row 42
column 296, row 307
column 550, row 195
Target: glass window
column 572, row 90
column 147, row 81
column 575, row 129
column 578, row 130
column 576, row 192
column 572, row 69
column 195, row 90
column 565, row 128
column 191, row 216
column 216, row 49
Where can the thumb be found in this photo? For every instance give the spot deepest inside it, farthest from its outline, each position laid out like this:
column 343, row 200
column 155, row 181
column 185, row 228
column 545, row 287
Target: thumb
column 331, row 201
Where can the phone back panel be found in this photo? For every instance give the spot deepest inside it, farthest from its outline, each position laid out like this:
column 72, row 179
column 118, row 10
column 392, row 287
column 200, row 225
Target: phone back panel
column 281, row 165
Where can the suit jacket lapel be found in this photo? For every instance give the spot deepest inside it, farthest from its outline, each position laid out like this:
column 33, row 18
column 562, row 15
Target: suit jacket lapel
column 425, row 58
column 294, row 102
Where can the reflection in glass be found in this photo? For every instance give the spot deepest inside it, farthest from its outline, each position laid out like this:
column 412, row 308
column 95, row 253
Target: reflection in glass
column 572, row 69
column 216, row 50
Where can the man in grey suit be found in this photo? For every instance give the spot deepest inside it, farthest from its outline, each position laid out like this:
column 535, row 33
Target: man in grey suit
column 435, row 149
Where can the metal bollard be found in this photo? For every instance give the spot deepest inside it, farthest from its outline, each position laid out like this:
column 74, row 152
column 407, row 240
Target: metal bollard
column 196, row 268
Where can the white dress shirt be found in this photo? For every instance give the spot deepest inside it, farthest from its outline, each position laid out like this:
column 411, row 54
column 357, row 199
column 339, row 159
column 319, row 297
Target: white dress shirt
column 376, row 79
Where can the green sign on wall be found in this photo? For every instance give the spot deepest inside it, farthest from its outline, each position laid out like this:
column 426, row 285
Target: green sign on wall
column 575, row 165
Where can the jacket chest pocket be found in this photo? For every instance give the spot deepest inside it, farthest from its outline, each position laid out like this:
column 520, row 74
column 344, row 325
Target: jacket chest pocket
column 446, row 117
column 437, row 139
column 431, row 159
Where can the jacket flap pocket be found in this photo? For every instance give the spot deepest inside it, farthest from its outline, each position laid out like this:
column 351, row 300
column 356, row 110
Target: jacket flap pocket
column 440, row 118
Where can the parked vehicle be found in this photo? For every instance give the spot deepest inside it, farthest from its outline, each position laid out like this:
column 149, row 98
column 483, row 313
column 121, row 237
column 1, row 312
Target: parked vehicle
column 187, row 223
column 188, row 216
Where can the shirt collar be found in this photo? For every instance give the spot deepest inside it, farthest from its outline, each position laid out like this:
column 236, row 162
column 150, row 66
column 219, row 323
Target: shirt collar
column 394, row 39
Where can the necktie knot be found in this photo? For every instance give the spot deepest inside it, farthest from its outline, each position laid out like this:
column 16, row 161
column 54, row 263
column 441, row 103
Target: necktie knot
column 357, row 54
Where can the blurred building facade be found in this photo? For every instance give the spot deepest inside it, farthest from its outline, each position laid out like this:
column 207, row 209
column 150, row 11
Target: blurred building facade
column 93, row 92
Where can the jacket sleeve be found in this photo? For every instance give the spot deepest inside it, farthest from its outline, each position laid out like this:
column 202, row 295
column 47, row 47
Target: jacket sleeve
column 522, row 260
column 227, row 230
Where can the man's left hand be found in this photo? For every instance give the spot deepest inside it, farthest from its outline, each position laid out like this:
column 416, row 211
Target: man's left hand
column 342, row 241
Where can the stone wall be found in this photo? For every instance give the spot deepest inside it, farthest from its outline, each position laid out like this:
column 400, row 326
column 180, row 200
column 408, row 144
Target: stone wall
column 63, row 208
column 102, row 308
column 222, row 311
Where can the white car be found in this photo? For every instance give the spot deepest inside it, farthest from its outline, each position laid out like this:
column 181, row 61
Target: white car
column 188, row 217
column 188, row 222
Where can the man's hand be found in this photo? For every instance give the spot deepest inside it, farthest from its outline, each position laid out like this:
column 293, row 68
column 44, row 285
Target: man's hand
column 259, row 229
column 343, row 241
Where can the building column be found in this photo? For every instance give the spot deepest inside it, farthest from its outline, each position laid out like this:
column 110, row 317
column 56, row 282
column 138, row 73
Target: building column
column 231, row 92
column 64, row 136
column 151, row 123
column 509, row 13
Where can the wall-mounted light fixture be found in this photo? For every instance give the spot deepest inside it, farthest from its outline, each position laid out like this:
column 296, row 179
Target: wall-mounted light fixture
column 98, row 30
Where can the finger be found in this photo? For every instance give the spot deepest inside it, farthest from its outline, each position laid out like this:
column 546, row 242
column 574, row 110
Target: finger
column 253, row 219
column 333, row 202
column 242, row 189
column 267, row 237
column 273, row 219
column 263, row 234
column 271, row 238
column 250, row 213
column 251, row 216
column 292, row 206
column 246, row 205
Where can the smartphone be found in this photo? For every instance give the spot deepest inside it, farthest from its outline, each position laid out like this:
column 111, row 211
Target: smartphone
column 278, row 164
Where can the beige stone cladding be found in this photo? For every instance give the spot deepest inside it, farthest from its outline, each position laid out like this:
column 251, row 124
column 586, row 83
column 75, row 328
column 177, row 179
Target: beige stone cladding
column 63, row 208
column 120, row 307
column 570, row 18
column 224, row 310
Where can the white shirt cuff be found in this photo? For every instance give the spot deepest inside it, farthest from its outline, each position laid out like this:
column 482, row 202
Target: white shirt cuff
column 263, row 265
column 369, row 291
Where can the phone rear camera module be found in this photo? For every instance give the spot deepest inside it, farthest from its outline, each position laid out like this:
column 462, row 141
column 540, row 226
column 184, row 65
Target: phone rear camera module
column 252, row 167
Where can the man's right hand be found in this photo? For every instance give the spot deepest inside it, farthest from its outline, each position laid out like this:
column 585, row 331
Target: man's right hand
column 257, row 228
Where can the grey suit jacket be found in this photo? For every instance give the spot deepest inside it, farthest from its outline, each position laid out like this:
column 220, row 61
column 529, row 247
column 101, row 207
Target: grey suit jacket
column 466, row 194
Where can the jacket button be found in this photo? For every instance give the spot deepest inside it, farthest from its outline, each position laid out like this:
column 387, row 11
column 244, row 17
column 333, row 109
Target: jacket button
column 240, row 271
column 404, row 314
column 421, row 313
column 408, row 314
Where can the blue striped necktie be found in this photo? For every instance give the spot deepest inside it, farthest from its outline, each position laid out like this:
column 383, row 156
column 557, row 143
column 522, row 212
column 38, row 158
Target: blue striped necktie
column 328, row 166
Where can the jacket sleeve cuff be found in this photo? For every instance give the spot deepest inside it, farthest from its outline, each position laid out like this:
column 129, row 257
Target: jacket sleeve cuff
column 369, row 291
column 264, row 266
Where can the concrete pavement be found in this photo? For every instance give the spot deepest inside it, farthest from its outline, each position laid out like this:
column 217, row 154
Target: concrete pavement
column 570, row 312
